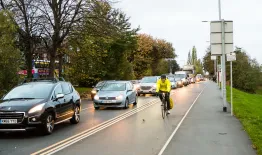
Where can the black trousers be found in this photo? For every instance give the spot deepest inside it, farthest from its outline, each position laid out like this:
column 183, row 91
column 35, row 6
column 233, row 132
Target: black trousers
column 167, row 99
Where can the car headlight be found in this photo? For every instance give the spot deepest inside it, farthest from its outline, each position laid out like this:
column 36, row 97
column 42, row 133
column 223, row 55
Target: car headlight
column 96, row 97
column 36, row 108
column 120, row 97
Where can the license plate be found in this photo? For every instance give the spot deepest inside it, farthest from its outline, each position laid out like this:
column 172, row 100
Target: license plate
column 108, row 101
column 8, row 121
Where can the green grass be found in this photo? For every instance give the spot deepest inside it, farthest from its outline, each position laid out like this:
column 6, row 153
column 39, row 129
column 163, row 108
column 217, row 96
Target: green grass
column 248, row 109
column 83, row 90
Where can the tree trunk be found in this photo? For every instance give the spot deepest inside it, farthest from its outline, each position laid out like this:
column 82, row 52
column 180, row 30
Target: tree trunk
column 60, row 65
column 29, row 59
column 52, row 63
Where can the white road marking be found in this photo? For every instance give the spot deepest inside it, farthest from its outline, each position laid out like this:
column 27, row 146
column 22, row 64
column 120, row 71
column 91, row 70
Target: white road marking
column 179, row 124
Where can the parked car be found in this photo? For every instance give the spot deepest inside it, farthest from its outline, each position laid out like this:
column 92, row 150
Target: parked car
column 173, row 82
column 136, row 84
column 148, row 85
column 39, row 104
column 116, row 94
column 179, row 82
column 199, row 77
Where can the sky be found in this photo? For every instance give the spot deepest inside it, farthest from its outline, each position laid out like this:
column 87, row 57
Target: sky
column 180, row 22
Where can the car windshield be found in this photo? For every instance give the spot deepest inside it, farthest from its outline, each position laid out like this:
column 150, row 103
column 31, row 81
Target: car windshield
column 171, row 79
column 114, row 87
column 149, row 80
column 100, row 84
column 30, row 91
column 180, row 76
column 177, row 78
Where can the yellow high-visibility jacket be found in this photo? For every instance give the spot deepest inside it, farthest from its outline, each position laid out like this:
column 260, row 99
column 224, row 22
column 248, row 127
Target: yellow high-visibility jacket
column 163, row 86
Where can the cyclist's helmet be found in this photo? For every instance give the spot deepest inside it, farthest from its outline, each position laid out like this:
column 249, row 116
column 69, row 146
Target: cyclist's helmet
column 163, row 76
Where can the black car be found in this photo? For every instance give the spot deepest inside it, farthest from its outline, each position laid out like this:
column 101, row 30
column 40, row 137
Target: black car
column 39, row 104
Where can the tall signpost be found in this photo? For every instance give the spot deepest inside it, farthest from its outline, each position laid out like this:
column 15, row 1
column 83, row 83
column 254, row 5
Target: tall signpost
column 221, row 40
column 231, row 57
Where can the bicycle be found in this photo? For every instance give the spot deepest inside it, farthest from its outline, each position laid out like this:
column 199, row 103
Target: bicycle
column 164, row 105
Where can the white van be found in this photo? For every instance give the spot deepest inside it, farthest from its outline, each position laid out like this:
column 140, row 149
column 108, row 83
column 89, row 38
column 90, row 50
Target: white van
column 183, row 76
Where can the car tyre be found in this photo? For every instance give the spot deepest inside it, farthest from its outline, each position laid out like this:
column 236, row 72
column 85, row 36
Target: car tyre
column 48, row 125
column 97, row 108
column 135, row 103
column 126, row 104
column 76, row 117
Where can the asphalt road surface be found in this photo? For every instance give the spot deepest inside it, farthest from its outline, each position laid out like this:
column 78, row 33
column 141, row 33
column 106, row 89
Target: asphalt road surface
column 139, row 130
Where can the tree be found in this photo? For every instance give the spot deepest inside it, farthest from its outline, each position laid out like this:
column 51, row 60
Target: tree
column 96, row 56
column 58, row 19
column 175, row 66
column 10, row 58
column 208, row 64
column 194, row 56
column 24, row 14
column 246, row 72
column 189, row 58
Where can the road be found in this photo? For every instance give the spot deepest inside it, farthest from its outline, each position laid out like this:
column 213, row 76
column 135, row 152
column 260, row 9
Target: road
column 139, row 130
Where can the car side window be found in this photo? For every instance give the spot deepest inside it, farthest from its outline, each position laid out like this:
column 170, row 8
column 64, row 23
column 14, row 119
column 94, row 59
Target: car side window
column 58, row 90
column 66, row 88
column 131, row 86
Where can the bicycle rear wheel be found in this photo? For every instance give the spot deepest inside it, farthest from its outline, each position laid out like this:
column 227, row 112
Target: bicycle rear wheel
column 163, row 108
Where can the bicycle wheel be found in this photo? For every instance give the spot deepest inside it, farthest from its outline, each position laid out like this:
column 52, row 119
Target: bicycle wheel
column 163, row 108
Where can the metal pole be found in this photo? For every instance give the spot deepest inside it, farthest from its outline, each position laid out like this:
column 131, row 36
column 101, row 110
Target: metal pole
column 219, row 15
column 231, row 79
column 223, row 66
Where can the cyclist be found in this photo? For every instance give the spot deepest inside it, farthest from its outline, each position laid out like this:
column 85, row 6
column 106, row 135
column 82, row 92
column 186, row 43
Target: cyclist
column 164, row 85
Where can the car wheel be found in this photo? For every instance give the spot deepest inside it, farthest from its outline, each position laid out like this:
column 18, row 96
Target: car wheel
column 97, row 108
column 135, row 103
column 49, row 124
column 126, row 104
column 76, row 117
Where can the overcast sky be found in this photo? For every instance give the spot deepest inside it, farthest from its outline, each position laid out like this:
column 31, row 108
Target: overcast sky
column 179, row 22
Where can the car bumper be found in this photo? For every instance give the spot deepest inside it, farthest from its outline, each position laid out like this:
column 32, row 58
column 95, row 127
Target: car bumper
column 23, row 123
column 152, row 91
column 100, row 103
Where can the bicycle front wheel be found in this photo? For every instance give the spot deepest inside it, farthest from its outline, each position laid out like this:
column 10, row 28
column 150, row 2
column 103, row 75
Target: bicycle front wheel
column 163, row 108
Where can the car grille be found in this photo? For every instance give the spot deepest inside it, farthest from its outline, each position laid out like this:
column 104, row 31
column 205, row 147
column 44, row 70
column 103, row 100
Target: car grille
column 12, row 115
column 146, row 87
column 107, row 98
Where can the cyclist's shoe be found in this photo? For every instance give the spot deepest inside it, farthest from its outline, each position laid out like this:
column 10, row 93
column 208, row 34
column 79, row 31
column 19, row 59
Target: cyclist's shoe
column 168, row 112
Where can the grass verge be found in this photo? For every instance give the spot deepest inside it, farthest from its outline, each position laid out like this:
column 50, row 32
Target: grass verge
column 248, row 109
column 83, row 91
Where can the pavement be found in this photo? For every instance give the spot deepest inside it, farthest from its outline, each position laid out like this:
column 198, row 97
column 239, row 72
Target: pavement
column 196, row 125
column 208, row 130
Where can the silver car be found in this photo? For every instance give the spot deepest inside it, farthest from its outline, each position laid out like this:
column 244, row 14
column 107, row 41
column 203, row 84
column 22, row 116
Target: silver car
column 116, row 94
column 148, row 85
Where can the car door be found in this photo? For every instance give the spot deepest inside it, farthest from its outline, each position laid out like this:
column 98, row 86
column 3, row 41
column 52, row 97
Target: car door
column 132, row 94
column 67, row 106
column 58, row 102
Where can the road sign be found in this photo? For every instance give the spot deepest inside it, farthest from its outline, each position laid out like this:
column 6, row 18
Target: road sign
column 213, row 57
column 216, row 37
column 231, row 57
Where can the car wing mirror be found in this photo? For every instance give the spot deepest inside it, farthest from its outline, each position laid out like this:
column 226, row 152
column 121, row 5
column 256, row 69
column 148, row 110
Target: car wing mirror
column 58, row 96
